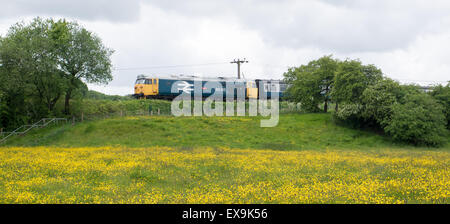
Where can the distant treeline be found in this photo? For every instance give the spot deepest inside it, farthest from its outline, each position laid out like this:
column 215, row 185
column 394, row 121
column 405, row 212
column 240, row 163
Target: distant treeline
column 91, row 94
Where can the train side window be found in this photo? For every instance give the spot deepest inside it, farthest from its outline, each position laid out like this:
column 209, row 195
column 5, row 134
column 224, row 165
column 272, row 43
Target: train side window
column 148, row 81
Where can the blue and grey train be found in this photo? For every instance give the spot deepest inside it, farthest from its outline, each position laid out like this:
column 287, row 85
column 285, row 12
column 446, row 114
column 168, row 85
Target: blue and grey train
column 168, row 88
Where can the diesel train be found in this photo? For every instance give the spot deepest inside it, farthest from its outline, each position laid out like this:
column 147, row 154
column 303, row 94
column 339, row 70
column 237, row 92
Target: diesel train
column 168, row 88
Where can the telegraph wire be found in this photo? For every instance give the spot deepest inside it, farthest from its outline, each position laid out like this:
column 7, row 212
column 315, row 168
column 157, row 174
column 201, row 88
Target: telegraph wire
column 266, row 65
column 168, row 66
column 412, row 80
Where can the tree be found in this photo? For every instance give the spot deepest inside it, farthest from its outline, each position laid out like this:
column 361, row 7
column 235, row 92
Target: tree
column 81, row 56
column 379, row 98
column 351, row 79
column 311, row 84
column 31, row 84
column 442, row 95
column 419, row 121
column 43, row 61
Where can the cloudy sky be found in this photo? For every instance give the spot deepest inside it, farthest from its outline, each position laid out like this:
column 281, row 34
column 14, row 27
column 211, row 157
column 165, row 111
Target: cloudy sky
column 408, row 39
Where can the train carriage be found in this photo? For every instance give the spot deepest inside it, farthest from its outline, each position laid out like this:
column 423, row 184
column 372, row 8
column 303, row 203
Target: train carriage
column 171, row 87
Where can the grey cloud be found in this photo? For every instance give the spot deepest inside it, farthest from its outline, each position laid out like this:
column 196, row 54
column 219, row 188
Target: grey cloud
column 341, row 26
column 110, row 10
column 344, row 26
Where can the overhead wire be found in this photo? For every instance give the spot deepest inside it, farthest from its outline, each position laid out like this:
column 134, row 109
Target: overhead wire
column 168, row 66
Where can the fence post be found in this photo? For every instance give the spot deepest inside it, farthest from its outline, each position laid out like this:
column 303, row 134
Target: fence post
column 121, row 113
column 73, row 120
column 159, row 111
column 82, row 116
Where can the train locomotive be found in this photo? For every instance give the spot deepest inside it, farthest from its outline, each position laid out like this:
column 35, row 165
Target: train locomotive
column 170, row 87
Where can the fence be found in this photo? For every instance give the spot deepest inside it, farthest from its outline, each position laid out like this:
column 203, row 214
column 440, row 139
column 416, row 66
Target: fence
column 22, row 130
column 89, row 117
column 285, row 107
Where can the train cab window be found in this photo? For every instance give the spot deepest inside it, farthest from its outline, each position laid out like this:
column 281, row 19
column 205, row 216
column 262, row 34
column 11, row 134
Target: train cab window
column 148, row 81
column 251, row 85
column 140, row 81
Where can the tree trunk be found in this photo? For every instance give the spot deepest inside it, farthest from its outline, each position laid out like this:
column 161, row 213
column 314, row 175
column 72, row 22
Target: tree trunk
column 325, row 106
column 337, row 107
column 67, row 102
column 70, row 88
column 53, row 102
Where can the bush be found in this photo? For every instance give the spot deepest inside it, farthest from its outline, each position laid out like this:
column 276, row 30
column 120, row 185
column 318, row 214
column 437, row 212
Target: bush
column 378, row 100
column 442, row 95
column 350, row 114
column 419, row 121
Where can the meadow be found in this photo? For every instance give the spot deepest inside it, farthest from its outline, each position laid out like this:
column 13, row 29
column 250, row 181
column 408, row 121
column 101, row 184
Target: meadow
column 306, row 159
column 294, row 132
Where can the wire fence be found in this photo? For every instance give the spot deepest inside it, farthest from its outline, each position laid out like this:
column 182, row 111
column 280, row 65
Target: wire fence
column 24, row 129
column 285, row 107
column 123, row 113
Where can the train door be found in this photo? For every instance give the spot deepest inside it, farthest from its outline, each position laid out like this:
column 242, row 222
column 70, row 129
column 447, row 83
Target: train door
column 155, row 86
column 148, row 87
column 151, row 87
column 252, row 90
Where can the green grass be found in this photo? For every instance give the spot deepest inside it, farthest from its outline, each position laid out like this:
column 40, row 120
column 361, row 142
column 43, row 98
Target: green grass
column 307, row 158
column 207, row 175
column 294, row 132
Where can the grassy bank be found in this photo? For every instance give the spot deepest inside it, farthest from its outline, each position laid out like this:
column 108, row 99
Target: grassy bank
column 294, row 132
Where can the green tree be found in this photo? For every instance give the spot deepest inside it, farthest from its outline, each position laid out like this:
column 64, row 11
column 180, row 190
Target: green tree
column 311, row 84
column 31, row 83
column 419, row 121
column 81, row 56
column 351, row 79
column 442, row 95
column 379, row 98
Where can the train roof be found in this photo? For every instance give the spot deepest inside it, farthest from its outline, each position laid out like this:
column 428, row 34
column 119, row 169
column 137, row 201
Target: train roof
column 193, row 77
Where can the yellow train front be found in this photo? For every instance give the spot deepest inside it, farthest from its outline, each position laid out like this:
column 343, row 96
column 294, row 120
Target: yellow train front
column 162, row 88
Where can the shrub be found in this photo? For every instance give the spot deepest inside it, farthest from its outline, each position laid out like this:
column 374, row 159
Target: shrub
column 419, row 121
column 350, row 114
column 442, row 95
column 378, row 100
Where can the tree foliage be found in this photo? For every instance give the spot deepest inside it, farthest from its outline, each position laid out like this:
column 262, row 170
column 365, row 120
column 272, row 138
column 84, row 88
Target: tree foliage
column 81, row 56
column 367, row 99
column 378, row 100
column 352, row 78
column 442, row 95
column 404, row 112
column 419, row 121
column 311, row 84
column 29, row 71
column 44, row 61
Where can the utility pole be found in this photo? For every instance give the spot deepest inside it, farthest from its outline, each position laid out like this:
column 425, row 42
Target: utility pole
column 238, row 62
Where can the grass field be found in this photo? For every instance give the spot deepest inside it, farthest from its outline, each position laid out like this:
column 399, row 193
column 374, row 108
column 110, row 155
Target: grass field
column 294, row 132
column 306, row 159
